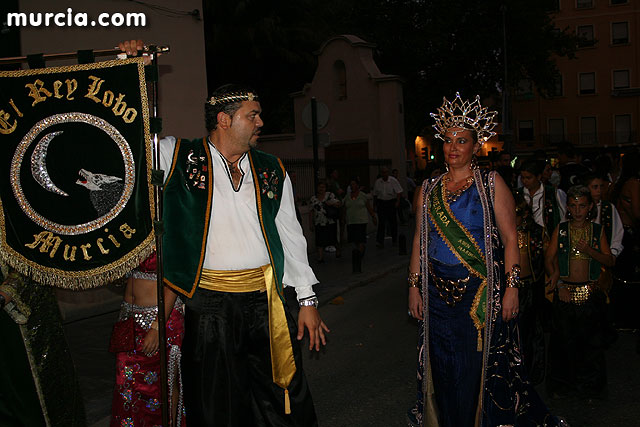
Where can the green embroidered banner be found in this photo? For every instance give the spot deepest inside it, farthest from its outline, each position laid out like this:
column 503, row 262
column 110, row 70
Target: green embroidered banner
column 75, row 193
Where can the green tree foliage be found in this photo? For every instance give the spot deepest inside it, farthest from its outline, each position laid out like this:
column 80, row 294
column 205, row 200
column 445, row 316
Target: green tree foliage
column 266, row 44
column 443, row 46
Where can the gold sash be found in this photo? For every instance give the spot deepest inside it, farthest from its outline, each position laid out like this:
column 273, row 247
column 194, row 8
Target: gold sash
column 283, row 365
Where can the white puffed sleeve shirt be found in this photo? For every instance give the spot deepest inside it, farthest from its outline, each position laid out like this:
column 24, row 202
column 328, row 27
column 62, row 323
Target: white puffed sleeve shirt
column 235, row 240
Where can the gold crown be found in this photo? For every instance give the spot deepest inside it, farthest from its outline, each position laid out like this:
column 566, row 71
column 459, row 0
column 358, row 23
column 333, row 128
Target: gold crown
column 233, row 97
column 465, row 115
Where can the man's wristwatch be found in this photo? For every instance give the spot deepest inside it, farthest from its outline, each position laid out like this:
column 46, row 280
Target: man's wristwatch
column 309, row 302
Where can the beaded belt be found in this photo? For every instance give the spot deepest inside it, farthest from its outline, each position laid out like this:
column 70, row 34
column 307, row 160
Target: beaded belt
column 450, row 291
column 580, row 292
column 144, row 315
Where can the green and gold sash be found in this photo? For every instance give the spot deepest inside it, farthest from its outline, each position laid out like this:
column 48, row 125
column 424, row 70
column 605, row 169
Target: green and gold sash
column 465, row 248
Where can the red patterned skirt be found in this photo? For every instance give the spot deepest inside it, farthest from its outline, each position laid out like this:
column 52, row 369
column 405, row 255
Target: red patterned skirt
column 136, row 397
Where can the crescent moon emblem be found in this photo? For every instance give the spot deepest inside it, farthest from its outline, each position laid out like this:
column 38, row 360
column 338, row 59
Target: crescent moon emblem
column 39, row 164
column 190, row 158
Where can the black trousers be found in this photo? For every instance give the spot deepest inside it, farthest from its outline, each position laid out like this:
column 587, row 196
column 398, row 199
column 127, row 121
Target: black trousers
column 226, row 365
column 576, row 360
column 387, row 215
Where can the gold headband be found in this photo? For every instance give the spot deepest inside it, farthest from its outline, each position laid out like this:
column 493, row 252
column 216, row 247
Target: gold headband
column 465, row 115
column 233, row 97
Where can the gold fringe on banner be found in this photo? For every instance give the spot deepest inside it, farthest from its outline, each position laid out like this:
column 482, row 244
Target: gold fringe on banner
column 78, row 280
column 87, row 279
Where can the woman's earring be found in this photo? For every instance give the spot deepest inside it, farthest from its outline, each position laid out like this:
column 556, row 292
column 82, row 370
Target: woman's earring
column 446, row 166
column 474, row 162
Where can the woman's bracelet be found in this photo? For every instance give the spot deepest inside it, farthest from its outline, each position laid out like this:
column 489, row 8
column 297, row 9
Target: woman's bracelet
column 513, row 277
column 413, row 280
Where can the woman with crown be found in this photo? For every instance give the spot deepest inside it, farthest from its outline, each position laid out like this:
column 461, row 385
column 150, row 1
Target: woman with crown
column 463, row 280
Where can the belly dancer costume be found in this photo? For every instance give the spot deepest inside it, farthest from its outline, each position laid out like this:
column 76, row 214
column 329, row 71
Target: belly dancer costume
column 136, row 397
column 577, row 343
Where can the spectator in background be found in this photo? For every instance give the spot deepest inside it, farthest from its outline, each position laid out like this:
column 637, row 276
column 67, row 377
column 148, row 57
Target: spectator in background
column 548, row 205
column 531, row 244
column 550, row 175
column 504, row 159
column 357, row 210
column 609, row 170
column 606, row 214
column 404, row 207
column 570, row 168
column 325, row 211
column 333, row 184
column 387, row 193
column 411, row 189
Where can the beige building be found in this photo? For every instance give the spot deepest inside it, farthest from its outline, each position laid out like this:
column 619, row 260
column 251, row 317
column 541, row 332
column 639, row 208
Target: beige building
column 360, row 113
column 596, row 101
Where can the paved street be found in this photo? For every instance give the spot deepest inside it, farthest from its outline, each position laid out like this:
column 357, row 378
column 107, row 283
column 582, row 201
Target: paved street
column 88, row 335
column 365, row 375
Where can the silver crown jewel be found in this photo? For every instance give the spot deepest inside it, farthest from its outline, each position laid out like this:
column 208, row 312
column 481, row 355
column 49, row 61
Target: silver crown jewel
column 466, row 115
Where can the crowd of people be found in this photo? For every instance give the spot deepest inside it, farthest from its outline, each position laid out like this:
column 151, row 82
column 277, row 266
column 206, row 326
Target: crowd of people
column 500, row 255
column 506, row 252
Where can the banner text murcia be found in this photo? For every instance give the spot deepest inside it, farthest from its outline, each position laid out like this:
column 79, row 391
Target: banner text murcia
column 47, row 242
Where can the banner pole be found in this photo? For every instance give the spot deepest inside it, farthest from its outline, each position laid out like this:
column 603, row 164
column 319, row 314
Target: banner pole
column 73, row 55
column 157, row 191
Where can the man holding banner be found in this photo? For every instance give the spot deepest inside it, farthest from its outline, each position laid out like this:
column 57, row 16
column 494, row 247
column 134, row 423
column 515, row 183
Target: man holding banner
column 231, row 243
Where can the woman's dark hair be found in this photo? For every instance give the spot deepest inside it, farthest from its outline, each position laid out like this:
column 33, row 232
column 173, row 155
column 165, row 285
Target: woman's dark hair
column 533, row 166
column 588, row 177
column 321, row 182
column 230, row 108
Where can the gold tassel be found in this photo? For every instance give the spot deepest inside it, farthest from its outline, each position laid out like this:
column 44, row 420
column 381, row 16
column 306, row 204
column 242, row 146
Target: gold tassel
column 287, row 403
column 479, row 345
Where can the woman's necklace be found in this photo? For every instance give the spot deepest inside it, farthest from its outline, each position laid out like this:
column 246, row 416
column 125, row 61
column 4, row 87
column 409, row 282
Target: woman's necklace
column 452, row 196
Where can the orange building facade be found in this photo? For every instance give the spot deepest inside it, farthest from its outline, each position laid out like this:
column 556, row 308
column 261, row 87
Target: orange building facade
column 596, row 100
